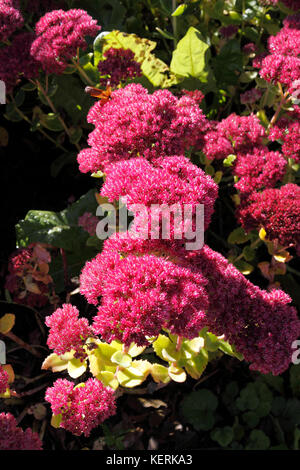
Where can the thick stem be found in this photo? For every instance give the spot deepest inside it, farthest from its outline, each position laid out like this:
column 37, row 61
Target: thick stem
column 22, row 343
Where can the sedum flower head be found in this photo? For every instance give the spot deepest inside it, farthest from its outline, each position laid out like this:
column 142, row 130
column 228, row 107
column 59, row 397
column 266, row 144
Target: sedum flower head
column 59, row 34
column 83, row 407
column 11, row 18
column 14, row 438
column 67, row 331
column 135, row 123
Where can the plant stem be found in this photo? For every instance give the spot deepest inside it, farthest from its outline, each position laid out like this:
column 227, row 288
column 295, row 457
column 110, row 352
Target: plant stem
column 23, row 116
column 174, row 23
column 253, row 245
column 284, row 97
column 22, row 343
column 82, row 73
column 52, row 106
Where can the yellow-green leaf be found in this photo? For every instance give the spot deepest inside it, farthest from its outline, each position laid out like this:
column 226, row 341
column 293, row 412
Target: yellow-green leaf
column 56, row 420
column 7, row 323
column 57, row 363
column 123, row 360
column 76, row 368
column 191, row 55
column 160, row 373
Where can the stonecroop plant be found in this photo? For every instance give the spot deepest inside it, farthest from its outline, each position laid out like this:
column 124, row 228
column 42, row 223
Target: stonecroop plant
column 154, row 293
column 161, row 312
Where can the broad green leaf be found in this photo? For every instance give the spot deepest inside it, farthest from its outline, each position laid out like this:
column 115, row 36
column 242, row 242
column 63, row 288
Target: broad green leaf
column 71, row 97
column 59, row 229
column 223, row 436
column 229, row 63
column 238, row 236
column 199, row 408
column 191, row 56
column 258, row 440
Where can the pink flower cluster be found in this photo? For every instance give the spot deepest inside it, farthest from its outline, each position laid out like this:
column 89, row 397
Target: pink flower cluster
column 172, row 180
column 59, row 34
column 135, row 123
column 67, row 331
column 11, row 18
column 83, row 407
column 231, row 135
column 14, row 438
column 282, row 65
column 262, row 325
column 258, row 169
column 3, row 380
column 142, row 295
column 128, row 275
column 277, row 211
column 16, row 61
column 88, row 222
column 287, row 130
column 119, row 65
column 143, row 285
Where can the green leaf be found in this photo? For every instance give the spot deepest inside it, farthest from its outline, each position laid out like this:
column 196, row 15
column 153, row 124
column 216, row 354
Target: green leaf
column 57, row 363
column 19, row 98
column 258, row 440
column 180, row 10
column 71, row 97
column 177, row 373
column 75, row 135
column 228, row 161
column 59, row 229
column 108, row 379
column 229, row 63
column 56, row 420
column 238, row 236
column 51, row 121
column 199, row 408
column 243, row 267
column 223, row 436
column 29, row 86
column 191, row 56
column 160, row 373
